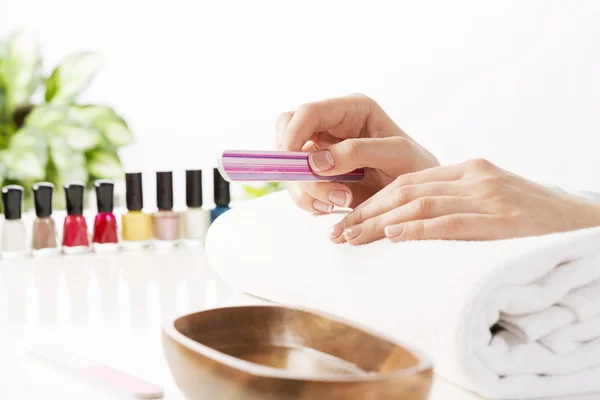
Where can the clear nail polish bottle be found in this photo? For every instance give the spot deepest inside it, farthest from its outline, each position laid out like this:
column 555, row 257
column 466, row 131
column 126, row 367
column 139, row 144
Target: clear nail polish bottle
column 195, row 221
column 165, row 222
column 44, row 240
column 221, row 195
column 14, row 239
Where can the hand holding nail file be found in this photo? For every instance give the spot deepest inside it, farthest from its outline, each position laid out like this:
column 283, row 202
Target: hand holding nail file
column 275, row 166
column 90, row 372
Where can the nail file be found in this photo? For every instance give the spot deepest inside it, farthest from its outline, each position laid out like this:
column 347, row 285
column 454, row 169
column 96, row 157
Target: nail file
column 93, row 373
column 275, row 166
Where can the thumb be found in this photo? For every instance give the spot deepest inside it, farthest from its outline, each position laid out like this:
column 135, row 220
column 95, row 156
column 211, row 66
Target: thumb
column 346, row 156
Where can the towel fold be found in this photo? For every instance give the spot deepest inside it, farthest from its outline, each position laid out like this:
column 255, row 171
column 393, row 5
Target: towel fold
column 508, row 319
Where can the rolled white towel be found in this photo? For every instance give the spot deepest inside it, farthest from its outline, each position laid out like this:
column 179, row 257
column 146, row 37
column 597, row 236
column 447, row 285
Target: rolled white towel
column 508, row 319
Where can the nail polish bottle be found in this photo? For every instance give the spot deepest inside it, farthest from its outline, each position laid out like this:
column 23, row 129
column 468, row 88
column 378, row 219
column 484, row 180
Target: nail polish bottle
column 105, row 237
column 195, row 220
column 14, row 240
column 75, row 232
column 44, row 238
column 221, row 195
column 165, row 222
column 136, row 225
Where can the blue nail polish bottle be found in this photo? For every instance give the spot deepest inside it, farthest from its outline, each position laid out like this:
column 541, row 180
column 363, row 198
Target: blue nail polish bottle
column 221, row 195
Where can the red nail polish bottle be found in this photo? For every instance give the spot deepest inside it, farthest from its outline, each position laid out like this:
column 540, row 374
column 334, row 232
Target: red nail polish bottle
column 105, row 237
column 75, row 235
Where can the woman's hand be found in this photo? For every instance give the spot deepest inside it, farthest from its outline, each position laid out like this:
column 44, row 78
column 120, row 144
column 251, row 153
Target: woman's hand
column 344, row 134
column 474, row 200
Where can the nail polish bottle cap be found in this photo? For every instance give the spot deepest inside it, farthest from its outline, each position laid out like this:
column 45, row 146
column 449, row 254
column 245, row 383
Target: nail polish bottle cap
column 104, row 195
column 12, row 197
column 74, row 195
column 221, row 189
column 193, row 188
column 42, row 198
column 164, row 190
column 134, row 192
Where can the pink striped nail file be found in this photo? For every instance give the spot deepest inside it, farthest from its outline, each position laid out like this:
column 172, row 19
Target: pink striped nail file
column 275, row 166
column 92, row 373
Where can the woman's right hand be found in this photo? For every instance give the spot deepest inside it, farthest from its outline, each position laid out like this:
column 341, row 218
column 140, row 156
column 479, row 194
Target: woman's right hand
column 344, row 134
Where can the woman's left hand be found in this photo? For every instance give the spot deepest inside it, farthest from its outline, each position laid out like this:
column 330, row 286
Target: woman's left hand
column 474, row 200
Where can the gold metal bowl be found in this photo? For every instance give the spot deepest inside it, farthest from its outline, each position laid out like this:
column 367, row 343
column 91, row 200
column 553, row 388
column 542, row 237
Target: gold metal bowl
column 284, row 353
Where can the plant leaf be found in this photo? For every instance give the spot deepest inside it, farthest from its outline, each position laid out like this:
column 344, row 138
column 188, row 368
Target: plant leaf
column 253, row 192
column 60, row 153
column 70, row 165
column 77, row 137
column 104, row 165
column 45, row 116
column 71, row 77
column 3, row 50
column 26, row 157
column 89, row 114
column 2, row 168
column 20, row 70
column 275, row 186
column 3, row 111
column 24, row 167
column 31, row 140
column 105, row 120
column 117, row 132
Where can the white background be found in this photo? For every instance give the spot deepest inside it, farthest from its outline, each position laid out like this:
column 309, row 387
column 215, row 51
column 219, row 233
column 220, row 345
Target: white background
column 517, row 82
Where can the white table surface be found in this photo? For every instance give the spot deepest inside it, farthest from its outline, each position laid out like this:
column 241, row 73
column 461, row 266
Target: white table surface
column 109, row 307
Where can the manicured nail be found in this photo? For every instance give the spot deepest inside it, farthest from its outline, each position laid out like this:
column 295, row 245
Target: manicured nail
column 310, row 147
column 340, row 198
column 352, row 232
column 321, row 206
column 394, row 230
column 336, row 230
column 321, row 160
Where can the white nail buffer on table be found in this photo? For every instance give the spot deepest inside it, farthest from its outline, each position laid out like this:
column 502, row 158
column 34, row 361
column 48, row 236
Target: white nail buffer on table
column 93, row 373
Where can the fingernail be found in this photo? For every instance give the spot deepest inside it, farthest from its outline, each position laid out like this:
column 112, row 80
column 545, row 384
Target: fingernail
column 321, row 206
column 336, row 230
column 280, row 148
column 394, row 230
column 310, row 147
column 321, row 160
column 352, row 232
column 340, row 198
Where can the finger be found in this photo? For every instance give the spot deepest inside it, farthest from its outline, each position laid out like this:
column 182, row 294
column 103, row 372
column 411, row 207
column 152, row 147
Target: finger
column 303, row 200
column 436, row 181
column 344, row 116
column 310, row 146
column 282, row 122
column 324, row 140
column 450, row 227
column 330, row 193
column 400, row 196
column 448, row 173
column 308, row 203
column 422, row 208
column 320, row 198
column 388, row 154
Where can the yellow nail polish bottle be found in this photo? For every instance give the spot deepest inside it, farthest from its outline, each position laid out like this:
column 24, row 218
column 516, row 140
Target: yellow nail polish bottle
column 137, row 225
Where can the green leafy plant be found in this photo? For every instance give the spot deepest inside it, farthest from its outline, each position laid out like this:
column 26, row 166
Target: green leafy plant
column 57, row 139
column 253, row 192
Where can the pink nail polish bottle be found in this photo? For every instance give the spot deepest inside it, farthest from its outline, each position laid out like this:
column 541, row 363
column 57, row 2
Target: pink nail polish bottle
column 165, row 221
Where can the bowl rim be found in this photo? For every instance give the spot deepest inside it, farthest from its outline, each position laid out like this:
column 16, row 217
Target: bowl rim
column 251, row 368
